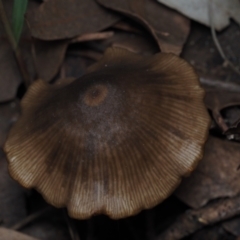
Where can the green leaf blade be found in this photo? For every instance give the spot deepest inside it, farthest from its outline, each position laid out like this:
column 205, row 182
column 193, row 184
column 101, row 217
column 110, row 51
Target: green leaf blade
column 19, row 9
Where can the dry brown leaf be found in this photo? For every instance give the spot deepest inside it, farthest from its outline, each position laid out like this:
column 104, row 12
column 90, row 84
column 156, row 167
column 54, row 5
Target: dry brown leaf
column 217, row 99
column 49, row 56
column 217, row 175
column 88, row 54
column 169, row 28
column 202, row 53
column 10, row 77
column 52, row 227
column 77, row 61
column 8, row 234
column 215, row 232
column 9, row 113
column 59, row 19
column 137, row 43
column 195, row 219
column 46, row 61
column 128, row 26
column 232, row 226
column 12, row 201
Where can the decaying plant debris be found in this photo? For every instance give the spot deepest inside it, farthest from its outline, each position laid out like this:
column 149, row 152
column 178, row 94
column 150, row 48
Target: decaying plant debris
column 59, row 42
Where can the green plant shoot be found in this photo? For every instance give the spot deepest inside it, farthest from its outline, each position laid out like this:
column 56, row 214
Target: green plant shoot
column 19, row 9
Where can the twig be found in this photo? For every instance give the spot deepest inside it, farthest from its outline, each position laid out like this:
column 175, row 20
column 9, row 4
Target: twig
column 92, row 36
column 194, row 220
column 216, row 42
column 217, row 116
column 229, row 86
column 30, row 218
column 213, row 102
column 71, row 227
column 14, row 45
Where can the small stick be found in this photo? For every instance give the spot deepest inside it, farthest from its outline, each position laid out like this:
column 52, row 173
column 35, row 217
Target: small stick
column 193, row 220
column 92, row 36
column 219, row 120
column 229, row 86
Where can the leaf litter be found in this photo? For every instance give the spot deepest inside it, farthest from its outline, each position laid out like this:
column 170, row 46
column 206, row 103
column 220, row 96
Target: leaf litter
column 61, row 19
column 198, row 10
column 59, row 42
column 170, row 33
column 39, row 60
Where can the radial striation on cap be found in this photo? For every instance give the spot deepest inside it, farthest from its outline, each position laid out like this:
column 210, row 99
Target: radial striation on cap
column 115, row 141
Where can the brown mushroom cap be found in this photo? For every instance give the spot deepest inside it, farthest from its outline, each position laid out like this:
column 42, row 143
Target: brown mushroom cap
column 115, row 141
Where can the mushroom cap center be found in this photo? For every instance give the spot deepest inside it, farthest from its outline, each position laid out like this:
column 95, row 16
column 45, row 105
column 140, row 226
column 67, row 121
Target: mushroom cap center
column 95, row 95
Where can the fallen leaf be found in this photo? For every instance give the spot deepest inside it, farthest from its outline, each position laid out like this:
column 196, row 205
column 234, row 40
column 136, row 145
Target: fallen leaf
column 137, row 43
column 9, row 113
column 195, row 219
column 77, row 61
column 232, row 226
column 10, row 77
column 202, row 53
column 51, row 227
column 12, row 200
column 87, row 54
column 231, row 116
column 46, row 61
column 128, row 26
column 169, row 28
column 217, row 175
column 49, row 56
column 217, row 99
column 198, row 10
column 60, row 19
column 8, row 234
column 215, row 232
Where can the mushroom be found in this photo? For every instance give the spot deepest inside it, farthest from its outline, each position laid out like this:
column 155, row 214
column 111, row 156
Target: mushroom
column 115, row 141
